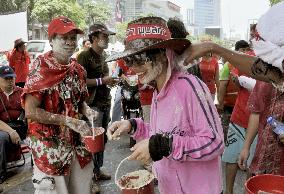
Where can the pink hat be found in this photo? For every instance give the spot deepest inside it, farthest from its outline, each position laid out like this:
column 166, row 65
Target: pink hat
column 62, row 25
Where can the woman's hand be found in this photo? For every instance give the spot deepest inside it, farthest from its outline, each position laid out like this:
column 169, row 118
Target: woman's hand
column 117, row 128
column 141, row 152
column 110, row 81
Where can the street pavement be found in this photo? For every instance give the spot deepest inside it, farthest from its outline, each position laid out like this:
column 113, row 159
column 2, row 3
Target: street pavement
column 116, row 151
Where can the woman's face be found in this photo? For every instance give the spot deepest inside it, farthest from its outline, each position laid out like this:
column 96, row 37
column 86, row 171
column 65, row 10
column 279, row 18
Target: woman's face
column 147, row 70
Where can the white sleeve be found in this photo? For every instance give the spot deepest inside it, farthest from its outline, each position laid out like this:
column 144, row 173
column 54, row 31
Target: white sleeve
column 247, row 82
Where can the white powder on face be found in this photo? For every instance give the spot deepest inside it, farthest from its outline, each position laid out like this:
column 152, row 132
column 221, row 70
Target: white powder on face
column 103, row 44
column 152, row 72
column 59, row 47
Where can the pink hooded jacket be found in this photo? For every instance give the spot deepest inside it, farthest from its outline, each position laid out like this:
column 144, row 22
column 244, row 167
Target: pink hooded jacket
column 185, row 110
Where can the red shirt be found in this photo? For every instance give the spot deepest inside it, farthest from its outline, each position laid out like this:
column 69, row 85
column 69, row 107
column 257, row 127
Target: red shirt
column 259, row 101
column 269, row 152
column 208, row 71
column 146, row 96
column 20, row 63
column 12, row 104
column 240, row 114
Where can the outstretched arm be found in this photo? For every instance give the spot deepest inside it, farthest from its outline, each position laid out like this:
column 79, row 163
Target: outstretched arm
column 252, row 66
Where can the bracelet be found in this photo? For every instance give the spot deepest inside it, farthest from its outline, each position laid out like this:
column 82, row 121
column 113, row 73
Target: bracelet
column 99, row 81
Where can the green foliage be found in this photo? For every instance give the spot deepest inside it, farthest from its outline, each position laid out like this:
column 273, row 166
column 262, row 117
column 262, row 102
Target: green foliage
column 121, row 27
column 207, row 37
column 45, row 10
column 121, row 31
column 7, row 6
column 82, row 12
column 272, row 2
column 146, row 15
column 96, row 11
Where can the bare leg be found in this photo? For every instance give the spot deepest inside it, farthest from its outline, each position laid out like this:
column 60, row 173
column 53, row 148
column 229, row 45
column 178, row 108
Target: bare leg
column 231, row 171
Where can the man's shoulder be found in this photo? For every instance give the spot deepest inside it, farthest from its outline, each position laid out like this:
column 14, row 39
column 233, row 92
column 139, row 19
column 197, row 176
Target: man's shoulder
column 88, row 54
column 85, row 53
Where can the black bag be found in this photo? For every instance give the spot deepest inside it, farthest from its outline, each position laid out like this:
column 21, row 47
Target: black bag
column 20, row 126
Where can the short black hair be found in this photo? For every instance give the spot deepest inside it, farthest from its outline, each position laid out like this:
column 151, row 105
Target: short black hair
column 241, row 44
column 177, row 28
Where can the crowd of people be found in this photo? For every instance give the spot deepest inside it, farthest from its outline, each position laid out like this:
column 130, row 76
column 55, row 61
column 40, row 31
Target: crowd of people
column 183, row 136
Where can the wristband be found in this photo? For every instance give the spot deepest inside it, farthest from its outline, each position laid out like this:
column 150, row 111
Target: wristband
column 99, row 81
column 160, row 146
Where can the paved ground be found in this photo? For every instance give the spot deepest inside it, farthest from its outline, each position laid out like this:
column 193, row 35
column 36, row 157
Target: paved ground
column 20, row 182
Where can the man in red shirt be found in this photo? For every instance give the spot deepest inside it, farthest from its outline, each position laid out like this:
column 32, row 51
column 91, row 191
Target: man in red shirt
column 10, row 109
column 19, row 60
column 54, row 100
column 237, row 127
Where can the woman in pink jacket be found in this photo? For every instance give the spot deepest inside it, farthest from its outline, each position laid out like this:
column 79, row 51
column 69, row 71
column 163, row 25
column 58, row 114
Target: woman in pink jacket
column 184, row 137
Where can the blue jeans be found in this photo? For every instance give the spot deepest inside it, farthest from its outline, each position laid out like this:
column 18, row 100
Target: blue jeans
column 4, row 144
column 117, row 110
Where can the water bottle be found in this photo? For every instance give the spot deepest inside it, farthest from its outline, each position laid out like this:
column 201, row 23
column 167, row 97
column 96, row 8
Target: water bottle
column 277, row 126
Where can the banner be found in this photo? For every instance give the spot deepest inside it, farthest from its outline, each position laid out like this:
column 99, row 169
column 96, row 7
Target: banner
column 13, row 26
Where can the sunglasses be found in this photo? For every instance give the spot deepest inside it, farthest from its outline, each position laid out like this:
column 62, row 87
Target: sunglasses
column 137, row 60
column 147, row 56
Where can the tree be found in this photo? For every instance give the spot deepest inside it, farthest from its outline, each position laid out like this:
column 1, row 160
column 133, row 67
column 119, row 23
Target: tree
column 45, row 10
column 7, row 6
column 121, row 31
column 96, row 11
column 207, row 37
column 272, row 2
column 121, row 27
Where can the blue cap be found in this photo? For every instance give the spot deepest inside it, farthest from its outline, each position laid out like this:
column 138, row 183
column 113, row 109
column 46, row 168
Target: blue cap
column 6, row 71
